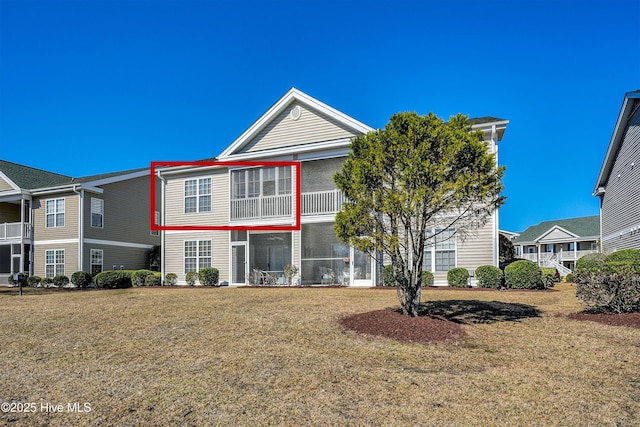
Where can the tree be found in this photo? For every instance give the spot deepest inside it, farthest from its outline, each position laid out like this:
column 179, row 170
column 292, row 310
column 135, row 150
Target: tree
column 506, row 249
column 408, row 183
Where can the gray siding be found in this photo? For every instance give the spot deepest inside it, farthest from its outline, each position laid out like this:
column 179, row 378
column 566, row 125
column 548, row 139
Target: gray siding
column 621, row 201
column 283, row 131
column 129, row 258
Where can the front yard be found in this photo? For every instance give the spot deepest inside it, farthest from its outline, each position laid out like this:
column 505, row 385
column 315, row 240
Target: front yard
column 265, row 356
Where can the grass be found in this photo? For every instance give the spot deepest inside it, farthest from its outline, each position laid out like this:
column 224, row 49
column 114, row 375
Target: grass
column 231, row 356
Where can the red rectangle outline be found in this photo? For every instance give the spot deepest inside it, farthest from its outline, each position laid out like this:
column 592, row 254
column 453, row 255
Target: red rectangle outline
column 298, row 197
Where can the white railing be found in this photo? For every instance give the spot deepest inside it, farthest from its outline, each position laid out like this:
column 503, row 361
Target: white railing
column 12, row 230
column 531, row 257
column 320, row 202
column 575, row 255
column 261, row 207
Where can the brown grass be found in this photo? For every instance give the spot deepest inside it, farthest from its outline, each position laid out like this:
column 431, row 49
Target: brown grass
column 225, row 356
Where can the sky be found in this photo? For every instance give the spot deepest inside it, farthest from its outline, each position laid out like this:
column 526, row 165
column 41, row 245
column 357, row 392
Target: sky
column 88, row 87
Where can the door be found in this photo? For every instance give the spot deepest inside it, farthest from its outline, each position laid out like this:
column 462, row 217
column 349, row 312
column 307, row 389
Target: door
column 239, row 263
column 360, row 268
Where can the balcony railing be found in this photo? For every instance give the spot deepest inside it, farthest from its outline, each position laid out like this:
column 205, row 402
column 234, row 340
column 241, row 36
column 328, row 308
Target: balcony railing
column 261, row 207
column 560, row 256
column 13, row 230
column 322, row 202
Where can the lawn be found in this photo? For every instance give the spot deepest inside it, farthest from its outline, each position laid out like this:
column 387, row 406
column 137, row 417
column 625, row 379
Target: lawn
column 260, row 356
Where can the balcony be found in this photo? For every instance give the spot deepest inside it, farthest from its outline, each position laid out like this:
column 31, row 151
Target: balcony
column 313, row 203
column 15, row 230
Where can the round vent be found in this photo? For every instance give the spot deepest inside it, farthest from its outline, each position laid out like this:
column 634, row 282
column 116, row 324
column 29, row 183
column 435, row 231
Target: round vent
column 295, row 112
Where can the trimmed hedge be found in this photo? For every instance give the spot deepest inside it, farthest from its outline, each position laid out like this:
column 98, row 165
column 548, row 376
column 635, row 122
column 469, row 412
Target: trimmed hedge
column 589, row 262
column 170, row 279
column 34, row 281
column 630, row 256
column 191, row 278
column 113, row 279
column 489, row 276
column 549, row 278
column 610, row 290
column 458, row 277
column 81, row 279
column 138, row 277
column 523, row 274
column 208, row 276
column 154, row 279
column 427, row 278
column 60, row 280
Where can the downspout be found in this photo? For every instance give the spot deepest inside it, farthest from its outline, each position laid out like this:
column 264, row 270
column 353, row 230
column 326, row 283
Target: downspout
column 496, row 225
column 80, row 228
column 22, row 228
column 162, row 236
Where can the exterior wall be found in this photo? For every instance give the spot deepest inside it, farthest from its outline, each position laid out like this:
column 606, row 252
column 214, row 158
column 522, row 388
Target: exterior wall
column 283, row 131
column 9, row 212
column 174, row 248
column 478, row 249
column 317, row 175
column 131, row 258
column 70, row 257
column 620, row 205
column 556, row 235
column 126, row 213
column 70, row 229
column 4, row 185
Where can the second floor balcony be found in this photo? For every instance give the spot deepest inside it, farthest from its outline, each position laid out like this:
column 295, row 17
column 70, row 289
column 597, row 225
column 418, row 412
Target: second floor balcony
column 15, row 230
column 263, row 207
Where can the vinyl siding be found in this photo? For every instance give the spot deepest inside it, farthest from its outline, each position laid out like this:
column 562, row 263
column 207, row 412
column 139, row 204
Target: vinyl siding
column 70, row 229
column 621, row 200
column 174, row 249
column 174, row 200
column 9, row 212
column 557, row 235
column 283, row 131
column 477, row 249
column 70, row 257
column 4, row 185
column 129, row 258
column 126, row 212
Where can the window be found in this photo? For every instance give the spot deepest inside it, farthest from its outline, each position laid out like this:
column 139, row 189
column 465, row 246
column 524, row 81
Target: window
column 284, row 180
column 197, row 195
column 97, row 213
column 156, row 221
column 253, row 183
column 96, row 261
column 197, row 254
column 441, row 257
column 54, row 213
column 54, row 262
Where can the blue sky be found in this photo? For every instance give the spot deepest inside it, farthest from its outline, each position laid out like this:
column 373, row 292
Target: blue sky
column 118, row 84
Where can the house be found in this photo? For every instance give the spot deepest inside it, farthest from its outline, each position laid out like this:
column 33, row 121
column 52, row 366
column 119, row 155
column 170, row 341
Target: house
column 618, row 183
column 53, row 224
column 558, row 244
column 297, row 128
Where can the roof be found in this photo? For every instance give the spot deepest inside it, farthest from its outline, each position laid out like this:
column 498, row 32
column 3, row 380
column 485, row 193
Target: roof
column 29, row 178
column 485, row 119
column 586, row 226
column 630, row 104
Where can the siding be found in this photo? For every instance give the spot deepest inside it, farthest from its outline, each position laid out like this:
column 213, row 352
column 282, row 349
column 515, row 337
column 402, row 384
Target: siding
column 174, row 200
column 129, row 258
column 70, row 257
column 283, row 131
column 9, row 212
column 4, row 185
column 477, row 249
column 556, row 235
column 174, row 249
column 621, row 200
column 70, row 229
column 126, row 213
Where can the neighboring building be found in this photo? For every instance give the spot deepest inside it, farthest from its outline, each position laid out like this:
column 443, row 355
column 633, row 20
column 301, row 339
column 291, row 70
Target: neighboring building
column 618, row 184
column 302, row 129
column 558, row 244
column 54, row 224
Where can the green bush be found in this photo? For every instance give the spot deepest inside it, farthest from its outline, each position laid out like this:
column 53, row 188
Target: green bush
column 81, row 279
column 630, row 256
column 569, row 277
column 523, row 274
column 60, row 280
column 34, row 281
column 489, row 276
column 138, row 277
column 191, row 278
column 427, row 278
column 154, row 279
column 113, row 279
column 47, row 282
column 589, row 262
column 610, row 291
column 11, row 280
column 170, row 279
column 549, row 278
column 387, row 276
column 208, row 276
column 458, row 277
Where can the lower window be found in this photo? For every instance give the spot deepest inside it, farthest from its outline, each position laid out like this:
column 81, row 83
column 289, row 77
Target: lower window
column 197, row 254
column 54, row 262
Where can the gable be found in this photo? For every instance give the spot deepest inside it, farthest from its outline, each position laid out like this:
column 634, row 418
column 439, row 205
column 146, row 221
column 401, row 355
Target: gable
column 556, row 233
column 285, row 130
column 5, row 185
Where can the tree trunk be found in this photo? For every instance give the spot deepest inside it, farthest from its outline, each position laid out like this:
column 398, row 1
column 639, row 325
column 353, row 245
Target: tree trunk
column 409, row 296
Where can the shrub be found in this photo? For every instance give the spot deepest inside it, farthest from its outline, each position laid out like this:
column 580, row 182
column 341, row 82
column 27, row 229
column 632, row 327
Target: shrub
column 47, row 282
column 387, row 276
column 610, row 291
column 523, row 274
column 153, row 280
column 427, row 278
column 589, row 262
column 11, row 280
column 138, row 277
column 458, row 277
column 34, row 281
column 630, row 256
column 81, row 279
column 171, row 279
column 60, row 280
column 191, row 278
column 113, row 279
column 549, row 277
column 208, row 276
column 569, row 277
column 489, row 276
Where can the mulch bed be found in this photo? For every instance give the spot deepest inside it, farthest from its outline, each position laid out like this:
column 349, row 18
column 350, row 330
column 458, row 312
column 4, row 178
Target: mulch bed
column 392, row 324
column 631, row 320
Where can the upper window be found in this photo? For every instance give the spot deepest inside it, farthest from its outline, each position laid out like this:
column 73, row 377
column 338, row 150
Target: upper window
column 156, row 219
column 253, row 183
column 97, row 213
column 197, row 195
column 54, row 213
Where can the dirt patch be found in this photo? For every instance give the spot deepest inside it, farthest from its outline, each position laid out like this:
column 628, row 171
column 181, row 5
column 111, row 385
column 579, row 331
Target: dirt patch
column 631, row 320
column 392, row 324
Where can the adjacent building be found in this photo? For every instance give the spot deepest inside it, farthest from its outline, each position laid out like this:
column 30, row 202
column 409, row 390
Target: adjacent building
column 297, row 128
column 618, row 183
column 53, row 224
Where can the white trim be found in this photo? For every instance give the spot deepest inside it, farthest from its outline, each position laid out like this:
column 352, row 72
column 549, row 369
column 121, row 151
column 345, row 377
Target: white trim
column 118, row 243
column 91, row 264
column 117, row 178
column 554, row 228
column 55, row 242
column 343, row 143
